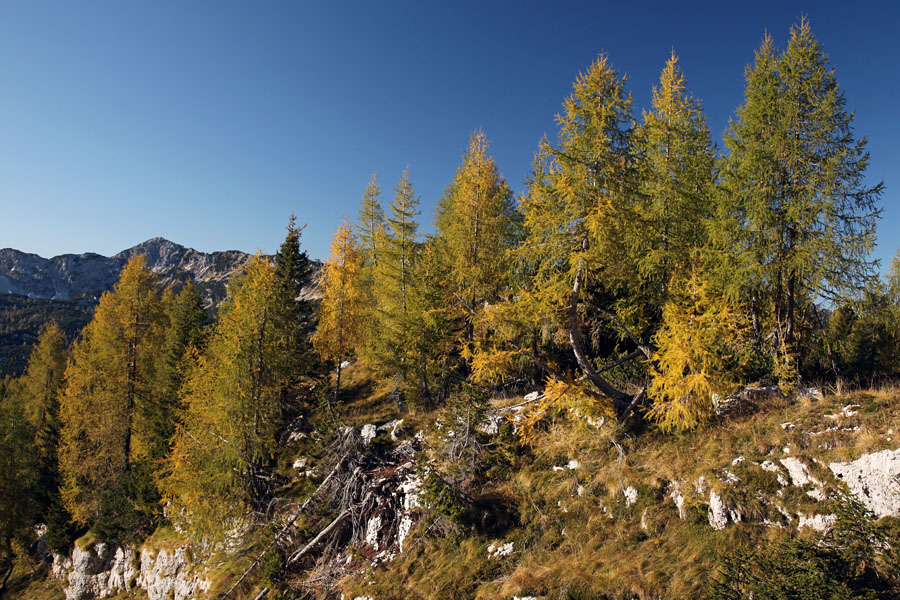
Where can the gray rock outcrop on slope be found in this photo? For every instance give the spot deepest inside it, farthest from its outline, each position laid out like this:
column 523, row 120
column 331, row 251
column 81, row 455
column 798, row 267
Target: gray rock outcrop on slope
column 104, row 570
column 874, row 479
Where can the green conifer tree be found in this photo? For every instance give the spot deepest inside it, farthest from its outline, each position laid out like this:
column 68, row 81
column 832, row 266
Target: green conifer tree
column 678, row 182
column 371, row 228
column 294, row 316
column 19, row 484
column 184, row 332
column 217, row 473
column 800, row 219
column 39, row 388
column 479, row 224
column 393, row 286
column 371, row 222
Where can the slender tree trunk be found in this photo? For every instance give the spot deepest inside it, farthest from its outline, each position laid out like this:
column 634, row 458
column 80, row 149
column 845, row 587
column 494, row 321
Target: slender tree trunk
column 620, row 399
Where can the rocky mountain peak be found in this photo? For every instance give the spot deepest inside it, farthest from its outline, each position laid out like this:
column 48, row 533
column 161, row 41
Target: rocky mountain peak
column 73, row 275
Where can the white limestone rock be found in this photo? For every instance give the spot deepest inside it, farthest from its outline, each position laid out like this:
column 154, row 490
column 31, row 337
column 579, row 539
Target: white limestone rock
column 98, row 571
column 678, row 498
column 368, row 433
column 718, row 515
column 874, row 479
column 631, row 495
column 491, row 424
column 817, row 522
column 104, row 570
column 496, row 550
column 168, row 575
column 798, row 471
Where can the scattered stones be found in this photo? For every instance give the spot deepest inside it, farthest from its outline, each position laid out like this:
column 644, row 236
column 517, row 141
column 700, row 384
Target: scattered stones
column 811, row 392
column 571, row 466
column 678, row 498
column 797, row 470
column 729, row 477
column 499, row 550
column 394, row 427
column 491, row 424
column 631, row 495
column 700, row 486
column 800, row 476
column 368, row 433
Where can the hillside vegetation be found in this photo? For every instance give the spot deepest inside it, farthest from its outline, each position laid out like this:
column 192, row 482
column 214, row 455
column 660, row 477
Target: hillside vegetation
column 599, row 389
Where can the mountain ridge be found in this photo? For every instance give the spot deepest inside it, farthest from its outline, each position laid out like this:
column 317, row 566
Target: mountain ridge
column 65, row 288
column 68, row 276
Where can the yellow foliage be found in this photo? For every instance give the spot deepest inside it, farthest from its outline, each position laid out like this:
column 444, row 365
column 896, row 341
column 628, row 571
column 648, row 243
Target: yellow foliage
column 564, row 396
column 110, row 383
column 341, row 327
column 492, row 365
column 697, row 340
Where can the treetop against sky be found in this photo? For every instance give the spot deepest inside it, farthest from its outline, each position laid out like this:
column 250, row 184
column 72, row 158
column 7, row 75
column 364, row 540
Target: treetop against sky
column 209, row 124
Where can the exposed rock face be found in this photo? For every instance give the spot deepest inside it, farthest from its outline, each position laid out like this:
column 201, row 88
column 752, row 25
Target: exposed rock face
column 874, row 479
column 718, row 516
column 96, row 572
column 168, row 575
column 104, row 570
column 72, row 275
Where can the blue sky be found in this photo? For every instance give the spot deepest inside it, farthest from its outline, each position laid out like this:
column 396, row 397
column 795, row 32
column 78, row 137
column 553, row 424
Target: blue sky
column 208, row 123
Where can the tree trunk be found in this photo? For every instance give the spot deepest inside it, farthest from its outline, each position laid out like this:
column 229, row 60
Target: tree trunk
column 621, row 400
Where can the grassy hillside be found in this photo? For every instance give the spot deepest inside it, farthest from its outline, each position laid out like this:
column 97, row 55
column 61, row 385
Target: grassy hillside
column 590, row 512
column 581, row 511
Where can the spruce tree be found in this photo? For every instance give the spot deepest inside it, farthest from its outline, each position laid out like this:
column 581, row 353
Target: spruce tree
column 184, row 334
column 19, row 484
column 39, row 389
column 294, row 316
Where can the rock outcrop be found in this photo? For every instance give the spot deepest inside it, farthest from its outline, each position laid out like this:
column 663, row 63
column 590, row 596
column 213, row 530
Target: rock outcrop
column 874, row 479
column 104, row 570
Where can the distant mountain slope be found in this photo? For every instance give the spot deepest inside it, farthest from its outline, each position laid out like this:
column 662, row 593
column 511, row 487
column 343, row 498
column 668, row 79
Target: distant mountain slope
column 76, row 275
column 21, row 320
column 66, row 288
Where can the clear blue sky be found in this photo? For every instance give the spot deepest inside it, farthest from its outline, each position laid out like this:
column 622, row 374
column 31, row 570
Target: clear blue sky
column 209, row 122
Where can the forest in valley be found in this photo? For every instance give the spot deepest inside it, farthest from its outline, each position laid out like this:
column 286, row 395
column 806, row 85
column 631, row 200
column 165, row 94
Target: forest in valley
column 644, row 277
